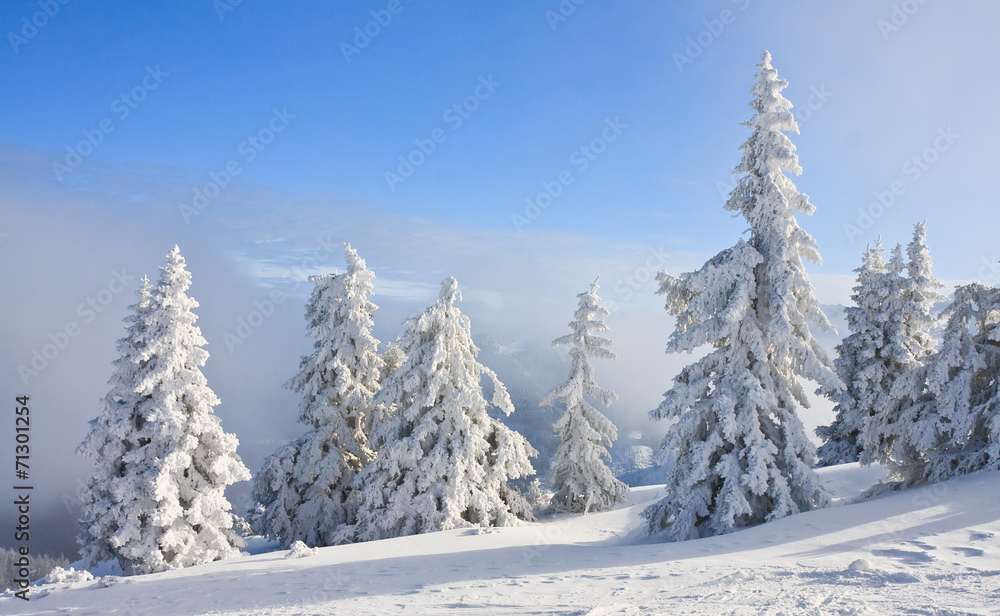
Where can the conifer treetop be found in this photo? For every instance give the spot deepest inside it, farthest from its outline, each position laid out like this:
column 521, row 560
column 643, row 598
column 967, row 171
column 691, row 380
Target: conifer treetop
column 765, row 195
column 450, row 292
column 339, row 378
column 586, row 342
column 923, row 290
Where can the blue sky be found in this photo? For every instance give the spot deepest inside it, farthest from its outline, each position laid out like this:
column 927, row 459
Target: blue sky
column 116, row 115
column 885, row 94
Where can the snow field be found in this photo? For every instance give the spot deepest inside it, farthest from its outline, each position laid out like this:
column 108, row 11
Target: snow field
column 930, row 550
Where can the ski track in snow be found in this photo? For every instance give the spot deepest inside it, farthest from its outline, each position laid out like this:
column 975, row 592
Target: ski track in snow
column 932, row 550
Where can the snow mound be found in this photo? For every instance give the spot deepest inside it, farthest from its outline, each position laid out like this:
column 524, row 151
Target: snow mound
column 67, row 576
column 301, row 550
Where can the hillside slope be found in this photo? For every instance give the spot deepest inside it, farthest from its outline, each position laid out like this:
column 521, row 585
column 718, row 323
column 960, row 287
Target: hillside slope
column 934, row 550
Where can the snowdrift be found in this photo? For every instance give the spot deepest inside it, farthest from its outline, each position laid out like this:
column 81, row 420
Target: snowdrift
column 932, row 550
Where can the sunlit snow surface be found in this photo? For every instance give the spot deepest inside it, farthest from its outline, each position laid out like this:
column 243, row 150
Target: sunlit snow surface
column 933, row 550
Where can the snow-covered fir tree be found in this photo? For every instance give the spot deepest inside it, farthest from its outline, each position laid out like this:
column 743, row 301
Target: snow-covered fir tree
column 443, row 462
column 579, row 477
column 922, row 293
column 303, row 488
column 166, row 494
column 864, row 361
column 742, row 453
column 907, row 320
column 948, row 420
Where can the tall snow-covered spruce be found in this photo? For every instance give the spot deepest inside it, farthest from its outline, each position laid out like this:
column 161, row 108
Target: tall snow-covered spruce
column 443, row 462
column 890, row 336
column 579, row 477
column 163, row 489
column 303, row 489
column 742, row 453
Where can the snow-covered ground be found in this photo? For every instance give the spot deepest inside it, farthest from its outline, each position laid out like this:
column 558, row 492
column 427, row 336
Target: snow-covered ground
column 933, row 550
